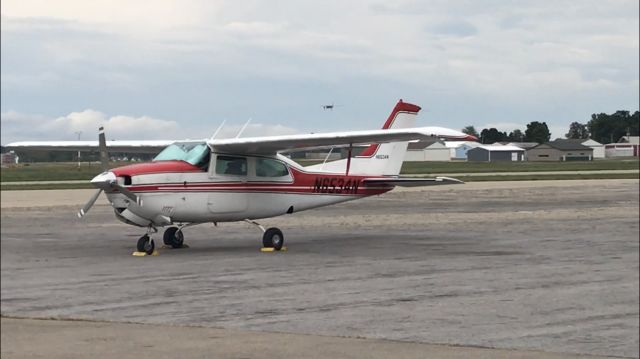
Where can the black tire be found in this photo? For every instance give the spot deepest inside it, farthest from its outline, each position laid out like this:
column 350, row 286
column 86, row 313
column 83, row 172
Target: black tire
column 273, row 238
column 145, row 244
column 173, row 237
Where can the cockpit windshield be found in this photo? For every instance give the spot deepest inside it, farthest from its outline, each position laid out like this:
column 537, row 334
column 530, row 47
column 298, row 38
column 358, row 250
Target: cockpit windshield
column 192, row 152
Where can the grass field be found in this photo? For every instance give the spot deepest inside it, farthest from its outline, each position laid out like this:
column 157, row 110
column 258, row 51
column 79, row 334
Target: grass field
column 480, row 167
column 52, row 171
column 70, row 171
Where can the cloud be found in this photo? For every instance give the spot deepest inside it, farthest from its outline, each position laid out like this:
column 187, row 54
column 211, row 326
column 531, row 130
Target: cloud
column 195, row 60
column 460, row 28
column 20, row 126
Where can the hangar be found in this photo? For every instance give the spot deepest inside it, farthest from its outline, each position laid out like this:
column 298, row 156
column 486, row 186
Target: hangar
column 560, row 150
column 627, row 146
column 490, row 153
column 459, row 148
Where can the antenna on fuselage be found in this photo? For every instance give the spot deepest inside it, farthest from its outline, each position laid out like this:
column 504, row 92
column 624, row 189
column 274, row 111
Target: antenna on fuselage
column 218, row 130
column 243, row 127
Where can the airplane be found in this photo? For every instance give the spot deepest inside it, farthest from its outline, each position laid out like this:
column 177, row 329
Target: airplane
column 247, row 179
column 329, row 107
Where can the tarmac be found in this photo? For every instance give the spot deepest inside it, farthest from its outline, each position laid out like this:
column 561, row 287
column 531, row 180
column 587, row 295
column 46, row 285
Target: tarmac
column 543, row 269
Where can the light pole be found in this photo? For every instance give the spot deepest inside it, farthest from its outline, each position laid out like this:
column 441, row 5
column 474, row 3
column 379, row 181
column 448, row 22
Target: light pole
column 79, row 133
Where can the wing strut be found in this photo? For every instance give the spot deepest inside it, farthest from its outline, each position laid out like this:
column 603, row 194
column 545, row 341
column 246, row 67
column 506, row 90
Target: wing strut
column 349, row 158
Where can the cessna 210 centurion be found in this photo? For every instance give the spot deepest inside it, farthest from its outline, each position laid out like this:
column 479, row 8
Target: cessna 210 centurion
column 245, row 179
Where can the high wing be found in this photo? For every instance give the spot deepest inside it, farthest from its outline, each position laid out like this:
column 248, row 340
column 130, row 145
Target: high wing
column 411, row 182
column 274, row 144
column 146, row 146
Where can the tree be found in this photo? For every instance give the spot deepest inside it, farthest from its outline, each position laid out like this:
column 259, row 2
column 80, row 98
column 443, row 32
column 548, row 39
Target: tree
column 609, row 128
column 492, row 135
column 537, row 132
column 470, row 130
column 516, row 136
column 577, row 130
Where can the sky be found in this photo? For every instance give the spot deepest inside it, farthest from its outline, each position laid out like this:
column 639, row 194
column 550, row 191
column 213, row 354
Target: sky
column 166, row 69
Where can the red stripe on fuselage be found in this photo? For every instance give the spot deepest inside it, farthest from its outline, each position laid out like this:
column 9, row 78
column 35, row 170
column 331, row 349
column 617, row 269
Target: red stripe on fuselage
column 303, row 183
column 156, row 167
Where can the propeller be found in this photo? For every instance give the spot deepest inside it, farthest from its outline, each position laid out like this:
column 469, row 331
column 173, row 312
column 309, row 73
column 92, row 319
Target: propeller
column 89, row 204
column 106, row 179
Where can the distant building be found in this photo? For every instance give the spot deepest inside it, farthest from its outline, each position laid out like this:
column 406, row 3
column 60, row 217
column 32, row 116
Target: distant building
column 458, row 149
column 427, row 150
column 560, row 150
column 598, row 148
column 627, row 146
column 491, row 153
column 524, row 145
column 9, row 158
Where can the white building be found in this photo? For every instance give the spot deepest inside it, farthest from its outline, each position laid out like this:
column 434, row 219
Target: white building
column 598, row 148
column 429, row 150
column 627, row 146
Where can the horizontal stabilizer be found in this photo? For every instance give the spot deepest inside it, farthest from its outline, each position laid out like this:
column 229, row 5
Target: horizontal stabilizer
column 411, row 182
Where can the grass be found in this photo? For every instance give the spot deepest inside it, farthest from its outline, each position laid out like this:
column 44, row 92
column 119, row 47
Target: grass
column 548, row 177
column 528, row 177
column 69, row 171
column 52, row 171
column 525, row 166
column 14, row 187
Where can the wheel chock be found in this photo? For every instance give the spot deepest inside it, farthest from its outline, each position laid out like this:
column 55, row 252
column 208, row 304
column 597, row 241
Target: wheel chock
column 142, row 254
column 271, row 249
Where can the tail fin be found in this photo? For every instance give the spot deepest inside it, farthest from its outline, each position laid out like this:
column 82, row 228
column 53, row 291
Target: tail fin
column 380, row 159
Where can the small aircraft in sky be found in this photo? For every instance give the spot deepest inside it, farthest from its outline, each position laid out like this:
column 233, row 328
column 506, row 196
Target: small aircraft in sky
column 329, row 107
column 246, row 179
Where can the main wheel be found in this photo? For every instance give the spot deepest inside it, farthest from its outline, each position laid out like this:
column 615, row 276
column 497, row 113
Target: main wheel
column 173, row 237
column 145, row 244
column 273, row 238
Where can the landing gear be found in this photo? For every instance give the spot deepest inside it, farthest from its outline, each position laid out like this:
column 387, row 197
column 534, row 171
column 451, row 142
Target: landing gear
column 273, row 238
column 146, row 244
column 173, row 237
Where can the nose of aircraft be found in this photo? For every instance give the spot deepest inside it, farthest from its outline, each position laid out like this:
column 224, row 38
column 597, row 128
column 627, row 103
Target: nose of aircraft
column 103, row 180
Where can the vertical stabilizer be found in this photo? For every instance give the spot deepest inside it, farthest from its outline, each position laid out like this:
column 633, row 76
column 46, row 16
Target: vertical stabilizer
column 379, row 159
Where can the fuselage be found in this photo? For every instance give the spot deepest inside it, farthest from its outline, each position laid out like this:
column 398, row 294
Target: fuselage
column 227, row 187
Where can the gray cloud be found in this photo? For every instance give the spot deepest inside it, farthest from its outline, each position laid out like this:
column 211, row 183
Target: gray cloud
column 554, row 61
column 454, row 28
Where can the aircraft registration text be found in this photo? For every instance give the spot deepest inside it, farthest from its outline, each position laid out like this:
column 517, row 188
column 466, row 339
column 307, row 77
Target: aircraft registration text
column 336, row 185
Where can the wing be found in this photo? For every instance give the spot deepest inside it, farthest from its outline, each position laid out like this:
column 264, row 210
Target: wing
column 411, row 182
column 274, row 144
column 147, row 146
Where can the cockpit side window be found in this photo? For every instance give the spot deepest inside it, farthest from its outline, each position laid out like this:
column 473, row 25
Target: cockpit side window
column 231, row 165
column 266, row 167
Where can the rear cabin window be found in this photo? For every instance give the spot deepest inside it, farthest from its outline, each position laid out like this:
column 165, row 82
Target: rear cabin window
column 231, row 165
column 270, row 168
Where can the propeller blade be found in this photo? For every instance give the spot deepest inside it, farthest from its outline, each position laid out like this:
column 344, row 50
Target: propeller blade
column 127, row 193
column 89, row 204
column 102, row 146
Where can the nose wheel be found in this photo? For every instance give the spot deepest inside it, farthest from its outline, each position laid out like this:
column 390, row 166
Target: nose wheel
column 273, row 238
column 146, row 244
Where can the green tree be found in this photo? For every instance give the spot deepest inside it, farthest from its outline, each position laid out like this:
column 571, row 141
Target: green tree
column 516, row 136
column 606, row 128
column 577, row 130
column 492, row 135
column 537, row 132
column 470, row 130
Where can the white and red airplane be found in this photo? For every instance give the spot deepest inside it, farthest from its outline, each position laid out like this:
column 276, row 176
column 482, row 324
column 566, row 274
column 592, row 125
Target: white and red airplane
column 245, row 179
